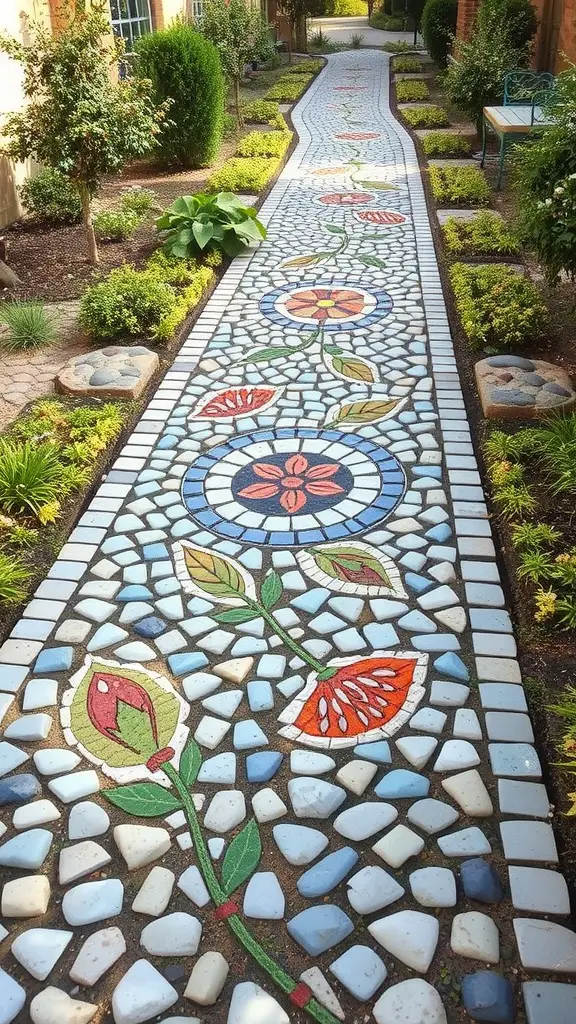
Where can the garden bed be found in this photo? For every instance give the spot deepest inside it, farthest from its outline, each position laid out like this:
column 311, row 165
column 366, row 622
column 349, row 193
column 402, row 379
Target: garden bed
column 546, row 653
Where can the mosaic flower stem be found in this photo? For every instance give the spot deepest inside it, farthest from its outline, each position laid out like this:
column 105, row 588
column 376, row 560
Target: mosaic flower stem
column 235, row 923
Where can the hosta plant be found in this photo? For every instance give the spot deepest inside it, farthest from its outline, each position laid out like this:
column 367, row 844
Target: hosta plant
column 196, row 223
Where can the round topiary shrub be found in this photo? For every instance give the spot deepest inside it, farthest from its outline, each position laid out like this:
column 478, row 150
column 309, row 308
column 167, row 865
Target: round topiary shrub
column 185, row 68
column 438, row 26
column 50, row 197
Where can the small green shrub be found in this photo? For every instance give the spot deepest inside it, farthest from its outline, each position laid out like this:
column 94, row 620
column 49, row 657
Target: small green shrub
column 356, row 40
column 30, row 325
column 288, row 88
column 137, row 200
column 318, row 42
column 399, row 47
column 185, row 69
column 459, row 185
column 407, row 65
column 243, row 174
column 498, row 306
column 115, row 225
column 50, row 197
column 485, row 235
column 264, row 112
column 406, row 92
column 344, row 8
column 202, row 222
column 306, row 67
column 140, row 303
column 14, row 576
column 438, row 28
column 425, row 117
column 445, row 144
column 264, row 144
column 387, row 22
column 475, row 78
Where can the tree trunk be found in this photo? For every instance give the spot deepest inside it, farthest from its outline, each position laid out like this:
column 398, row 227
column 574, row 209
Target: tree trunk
column 88, row 226
column 301, row 42
column 239, row 117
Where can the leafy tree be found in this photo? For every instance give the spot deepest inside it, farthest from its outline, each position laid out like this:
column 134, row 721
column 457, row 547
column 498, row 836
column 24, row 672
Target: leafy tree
column 240, row 34
column 78, row 119
column 297, row 12
column 516, row 19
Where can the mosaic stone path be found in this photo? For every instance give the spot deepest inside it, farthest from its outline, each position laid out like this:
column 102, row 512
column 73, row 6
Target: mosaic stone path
column 266, row 755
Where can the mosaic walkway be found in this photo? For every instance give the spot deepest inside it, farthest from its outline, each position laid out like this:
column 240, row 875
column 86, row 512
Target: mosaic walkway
column 266, row 755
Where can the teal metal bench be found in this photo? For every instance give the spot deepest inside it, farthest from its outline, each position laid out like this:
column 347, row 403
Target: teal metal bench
column 526, row 98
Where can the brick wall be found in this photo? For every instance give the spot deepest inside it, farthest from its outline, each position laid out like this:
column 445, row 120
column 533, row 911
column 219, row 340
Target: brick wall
column 556, row 34
column 466, row 16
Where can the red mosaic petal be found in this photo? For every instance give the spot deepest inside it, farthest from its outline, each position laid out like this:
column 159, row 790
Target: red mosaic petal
column 296, row 465
column 268, row 471
column 259, row 491
column 293, row 501
column 323, row 487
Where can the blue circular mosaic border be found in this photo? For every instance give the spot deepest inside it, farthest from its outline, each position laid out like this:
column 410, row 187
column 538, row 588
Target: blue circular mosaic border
column 392, row 487
column 383, row 300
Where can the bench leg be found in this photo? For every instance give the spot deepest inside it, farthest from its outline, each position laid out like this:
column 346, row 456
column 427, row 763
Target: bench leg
column 501, row 162
column 484, row 142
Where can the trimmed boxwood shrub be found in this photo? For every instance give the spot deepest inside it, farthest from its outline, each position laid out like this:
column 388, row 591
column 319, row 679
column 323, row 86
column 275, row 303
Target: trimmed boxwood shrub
column 185, row 67
column 498, row 306
column 438, row 26
column 49, row 196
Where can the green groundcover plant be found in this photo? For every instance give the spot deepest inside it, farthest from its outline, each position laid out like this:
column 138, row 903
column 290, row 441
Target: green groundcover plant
column 288, row 88
column 201, row 222
column 306, row 67
column 398, row 47
column 264, row 144
column 185, row 70
column 115, row 225
column 49, row 196
column 407, row 65
column 243, row 174
column 408, row 91
column 264, row 112
column 28, row 324
column 485, row 235
column 425, row 117
column 459, row 185
column 446, row 144
column 149, row 303
column 500, row 308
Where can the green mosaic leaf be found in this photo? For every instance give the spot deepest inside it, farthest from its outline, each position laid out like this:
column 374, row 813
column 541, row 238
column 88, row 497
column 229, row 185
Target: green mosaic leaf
column 190, row 763
column 352, row 565
column 309, row 260
column 367, row 411
column 372, row 261
column 334, row 229
column 236, row 615
column 354, row 368
column 379, row 186
column 212, row 573
column 264, row 355
column 143, row 799
column 242, row 857
column 271, row 590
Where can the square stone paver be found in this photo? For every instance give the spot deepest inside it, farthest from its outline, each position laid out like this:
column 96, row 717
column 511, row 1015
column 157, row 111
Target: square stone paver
column 539, row 890
column 501, row 725
column 529, row 841
column 528, row 799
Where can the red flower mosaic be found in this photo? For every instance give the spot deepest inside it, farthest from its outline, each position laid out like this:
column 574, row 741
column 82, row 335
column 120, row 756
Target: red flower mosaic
column 357, row 136
column 235, row 402
column 293, row 482
column 323, row 304
column 385, row 217
column 346, row 198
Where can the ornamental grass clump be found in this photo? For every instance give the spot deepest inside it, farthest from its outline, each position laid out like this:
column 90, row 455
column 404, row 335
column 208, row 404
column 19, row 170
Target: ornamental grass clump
column 500, row 308
column 446, row 144
column 28, row 325
column 485, row 235
column 409, row 91
column 459, row 185
column 14, row 577
column 425, row 117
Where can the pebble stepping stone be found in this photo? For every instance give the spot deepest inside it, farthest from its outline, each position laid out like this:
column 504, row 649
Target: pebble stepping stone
column 431, row 815
column 93, row 901
column 398, row 845
column 39, row 949
column 234, row 671
column 54, row 761
column 210, row 732
column 307, row 762
column 12, row 998
column 154, row 895
column 207, row 980
column 488, row 996
column 71, row 787
column 316, row 982
column 317, row 929
column 314, row 798
column 475, row 935
column 298, row 843
column 364, row 820
column 356, row 776
column 538, row 890
column 327, row 873
column 141, row 994
column 547, row 1001
column 545, row 946
column 173, row 935
column 428, row 720
column 81, row 859
column 224, row 704
column 87, row 819
column 220, row 770
column 456, row 754
column 408, row 935
column 192, row 884
column 18, row 789
column 360, row 970
column 37, row 813
column 97, row 955
column 378, row 751
column 251, row 1003
column 141, row 844
column 467, row 789
column 268, row 806
column 372, row 889
column 248, row 735
column 53, row 1006
column 264, row 898
column 27, row 850
column 433, row 887
column 410, row 1002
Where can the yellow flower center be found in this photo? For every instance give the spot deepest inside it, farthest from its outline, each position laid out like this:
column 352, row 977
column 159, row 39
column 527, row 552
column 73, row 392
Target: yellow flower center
column 325, row 303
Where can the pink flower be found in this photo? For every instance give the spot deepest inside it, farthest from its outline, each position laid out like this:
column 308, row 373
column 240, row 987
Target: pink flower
column 293, row 482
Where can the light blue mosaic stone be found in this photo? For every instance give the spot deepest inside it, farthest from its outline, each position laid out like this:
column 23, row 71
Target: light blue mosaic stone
column 317, row 929
column 401, row 783
column 327, row 873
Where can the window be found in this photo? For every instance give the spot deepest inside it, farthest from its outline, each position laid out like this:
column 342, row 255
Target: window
column 130, row 19
column 195, row 7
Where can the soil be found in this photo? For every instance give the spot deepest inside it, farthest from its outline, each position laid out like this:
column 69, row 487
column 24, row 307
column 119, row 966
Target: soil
column 52, row 262
column 546, row 654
